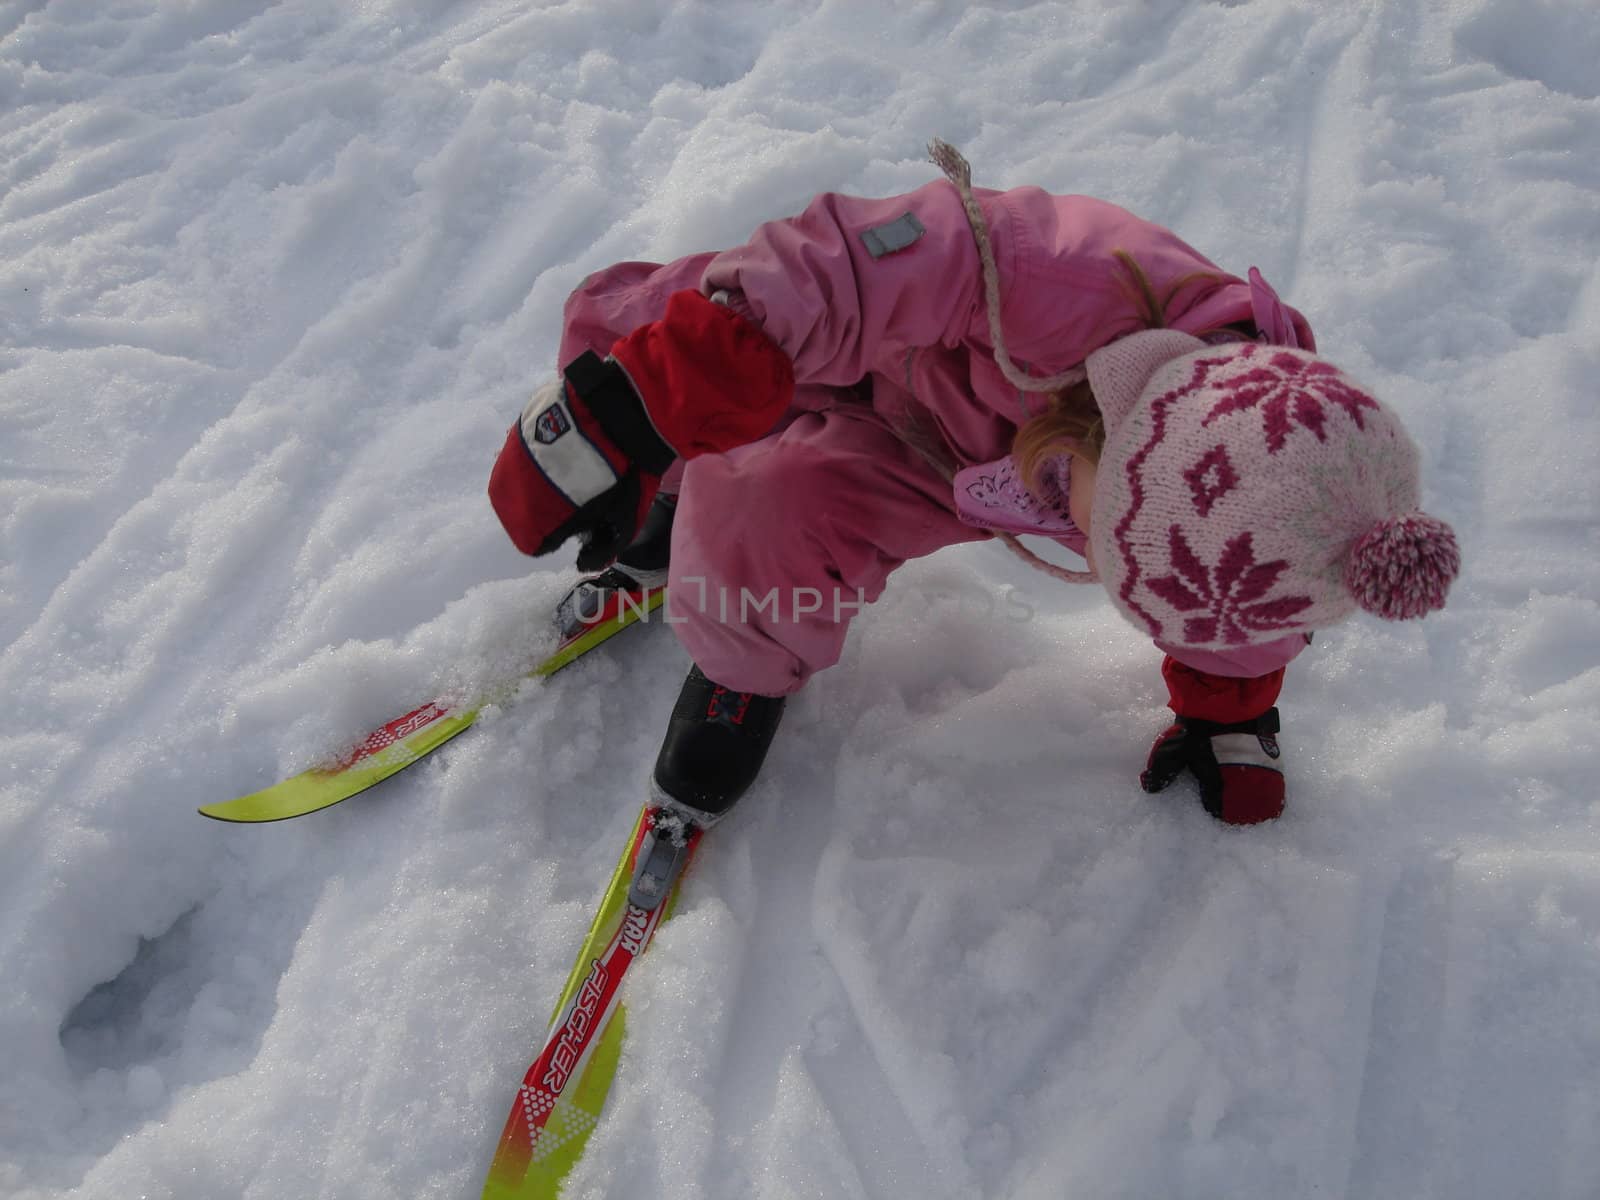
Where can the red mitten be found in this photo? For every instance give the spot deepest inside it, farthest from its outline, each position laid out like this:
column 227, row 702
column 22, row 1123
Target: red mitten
column 582, row 461
column 1235, row 764
column 1225, row 735
column 586, row 457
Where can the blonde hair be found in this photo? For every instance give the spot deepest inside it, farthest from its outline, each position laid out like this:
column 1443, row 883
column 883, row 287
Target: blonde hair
column 1071, row 422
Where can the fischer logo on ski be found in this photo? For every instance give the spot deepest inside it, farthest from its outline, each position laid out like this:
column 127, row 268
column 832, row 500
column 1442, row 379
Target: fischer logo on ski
column 575, row 1032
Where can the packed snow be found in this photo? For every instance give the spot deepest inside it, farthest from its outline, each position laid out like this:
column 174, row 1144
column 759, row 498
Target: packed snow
column 274, row 279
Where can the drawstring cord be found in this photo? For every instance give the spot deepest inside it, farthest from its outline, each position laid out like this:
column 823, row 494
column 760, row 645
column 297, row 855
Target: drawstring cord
column 956, row 168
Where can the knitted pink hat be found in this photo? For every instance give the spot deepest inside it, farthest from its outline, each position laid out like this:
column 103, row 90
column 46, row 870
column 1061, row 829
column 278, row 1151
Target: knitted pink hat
column 1249, row 491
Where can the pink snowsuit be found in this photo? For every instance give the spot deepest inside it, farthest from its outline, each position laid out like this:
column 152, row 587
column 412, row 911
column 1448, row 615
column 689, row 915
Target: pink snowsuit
column 880, row 305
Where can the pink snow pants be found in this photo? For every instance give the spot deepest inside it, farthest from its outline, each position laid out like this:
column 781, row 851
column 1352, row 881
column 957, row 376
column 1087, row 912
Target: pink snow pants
column 777, row 543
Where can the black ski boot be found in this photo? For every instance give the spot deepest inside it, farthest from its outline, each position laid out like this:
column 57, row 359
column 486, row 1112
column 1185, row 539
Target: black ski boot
column 716, row 742
column 638, row 571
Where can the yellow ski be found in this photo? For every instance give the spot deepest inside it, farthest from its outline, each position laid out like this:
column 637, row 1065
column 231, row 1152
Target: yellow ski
column 401, row 742
column 565, row 1089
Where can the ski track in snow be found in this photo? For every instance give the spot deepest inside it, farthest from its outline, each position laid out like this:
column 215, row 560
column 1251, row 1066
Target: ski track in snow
column 274, row 279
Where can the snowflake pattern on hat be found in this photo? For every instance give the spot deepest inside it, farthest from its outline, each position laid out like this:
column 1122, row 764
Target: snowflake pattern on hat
column 1289, row 389
column 1231, row 595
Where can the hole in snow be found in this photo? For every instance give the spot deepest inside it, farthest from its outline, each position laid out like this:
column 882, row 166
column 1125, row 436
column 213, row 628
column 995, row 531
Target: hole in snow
column 137, row 1016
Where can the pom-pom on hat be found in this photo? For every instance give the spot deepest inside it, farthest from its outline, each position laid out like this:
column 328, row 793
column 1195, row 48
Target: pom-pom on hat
column 1247, row 492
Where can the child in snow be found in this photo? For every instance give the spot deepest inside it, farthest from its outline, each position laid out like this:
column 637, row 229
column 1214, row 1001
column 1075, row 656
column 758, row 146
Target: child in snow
column 872, row 380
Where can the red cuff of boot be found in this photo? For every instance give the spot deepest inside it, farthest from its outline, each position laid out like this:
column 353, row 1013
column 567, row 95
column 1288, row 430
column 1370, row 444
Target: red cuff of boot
column 1250, row 784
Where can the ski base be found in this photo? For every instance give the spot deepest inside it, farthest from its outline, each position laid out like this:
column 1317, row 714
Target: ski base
column 396, row 745
column 565, row 1089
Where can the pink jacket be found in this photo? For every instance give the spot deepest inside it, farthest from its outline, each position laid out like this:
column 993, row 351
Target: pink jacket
column 891, row 290
column 886, row 296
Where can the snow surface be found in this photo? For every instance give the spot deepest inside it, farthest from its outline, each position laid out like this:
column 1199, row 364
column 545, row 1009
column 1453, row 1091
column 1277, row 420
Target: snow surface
column 274, row 278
